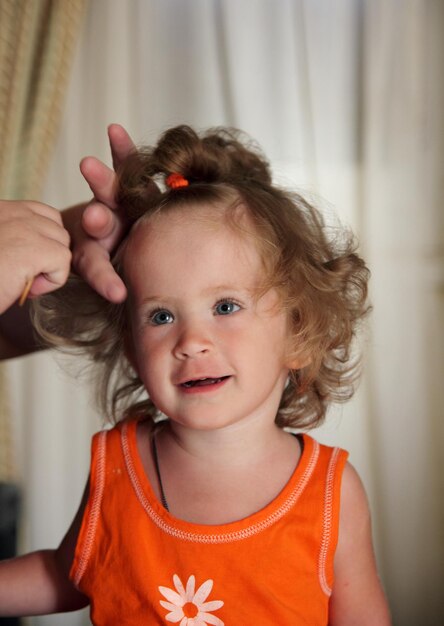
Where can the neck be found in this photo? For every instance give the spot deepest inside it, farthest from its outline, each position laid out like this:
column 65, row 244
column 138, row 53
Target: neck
column 219, row 476
column 237, row 444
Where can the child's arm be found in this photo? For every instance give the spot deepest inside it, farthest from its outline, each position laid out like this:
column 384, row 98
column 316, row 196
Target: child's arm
column 38, row 583
column 35, row 584
column 357, row 597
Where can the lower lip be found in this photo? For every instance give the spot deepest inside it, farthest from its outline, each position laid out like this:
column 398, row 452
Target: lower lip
column 200, row 389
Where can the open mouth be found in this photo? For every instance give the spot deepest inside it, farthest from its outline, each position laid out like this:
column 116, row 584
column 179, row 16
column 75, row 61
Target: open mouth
column 203, row 382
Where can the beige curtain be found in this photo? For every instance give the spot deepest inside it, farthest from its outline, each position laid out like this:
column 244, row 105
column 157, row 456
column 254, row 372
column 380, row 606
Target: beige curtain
column 346, row 97
column 37, row 40
column 402, row 225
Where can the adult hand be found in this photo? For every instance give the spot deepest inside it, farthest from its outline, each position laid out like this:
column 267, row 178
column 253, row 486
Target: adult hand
column 34, row 245
column 97, row 229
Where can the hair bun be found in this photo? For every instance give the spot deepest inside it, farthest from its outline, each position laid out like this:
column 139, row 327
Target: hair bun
column 219, row 155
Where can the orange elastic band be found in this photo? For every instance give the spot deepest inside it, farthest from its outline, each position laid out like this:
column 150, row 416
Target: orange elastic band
column 175, row 180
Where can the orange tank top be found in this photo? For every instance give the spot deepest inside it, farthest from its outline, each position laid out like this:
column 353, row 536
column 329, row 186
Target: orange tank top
column 140, row 565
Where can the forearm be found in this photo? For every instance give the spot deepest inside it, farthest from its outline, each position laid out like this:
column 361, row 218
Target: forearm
column 37, row 584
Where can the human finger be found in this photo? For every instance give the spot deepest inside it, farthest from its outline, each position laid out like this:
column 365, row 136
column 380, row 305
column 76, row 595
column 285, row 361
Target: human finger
column 28, row 230
column 33, row 241
column 38, row 208
column 92, row 262
column 53, row 270
column 104, row 225
column 101, row 180
column 120, row 142
column 48, row 228
column 27, row 211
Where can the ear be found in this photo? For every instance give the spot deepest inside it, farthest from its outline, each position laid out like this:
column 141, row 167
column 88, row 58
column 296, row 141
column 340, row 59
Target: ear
column 297, row 359
column 298, row 362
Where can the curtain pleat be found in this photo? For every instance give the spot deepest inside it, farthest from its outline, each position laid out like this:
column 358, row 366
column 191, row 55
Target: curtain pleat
column 37, row 40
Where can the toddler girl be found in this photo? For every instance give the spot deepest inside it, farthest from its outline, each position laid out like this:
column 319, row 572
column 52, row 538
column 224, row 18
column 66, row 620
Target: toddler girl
column 202, row 507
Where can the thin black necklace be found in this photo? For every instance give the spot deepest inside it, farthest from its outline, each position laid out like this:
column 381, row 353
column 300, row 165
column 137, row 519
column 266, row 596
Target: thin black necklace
column 159, row 478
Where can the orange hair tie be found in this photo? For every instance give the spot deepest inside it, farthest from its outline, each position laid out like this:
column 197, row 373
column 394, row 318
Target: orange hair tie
column 175, row 181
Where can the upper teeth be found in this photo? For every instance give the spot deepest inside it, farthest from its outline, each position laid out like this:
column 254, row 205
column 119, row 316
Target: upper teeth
column 188, row 383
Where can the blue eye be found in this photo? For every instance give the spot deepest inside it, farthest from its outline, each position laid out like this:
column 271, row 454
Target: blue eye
column 226, row 307
column 160, row 317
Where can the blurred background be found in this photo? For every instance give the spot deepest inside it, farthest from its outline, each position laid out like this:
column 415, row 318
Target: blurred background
column 347, row 100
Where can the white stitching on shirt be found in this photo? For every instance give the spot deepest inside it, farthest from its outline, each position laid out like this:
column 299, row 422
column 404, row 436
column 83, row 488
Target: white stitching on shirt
column 99, row 484
column 327, row 522
column 220, row 537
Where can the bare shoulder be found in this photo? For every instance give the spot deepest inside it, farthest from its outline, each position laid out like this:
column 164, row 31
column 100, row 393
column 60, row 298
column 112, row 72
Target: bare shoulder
column 355, row 511
column 357, row 597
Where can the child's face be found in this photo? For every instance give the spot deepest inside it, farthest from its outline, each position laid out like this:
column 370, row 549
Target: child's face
column 208, row 351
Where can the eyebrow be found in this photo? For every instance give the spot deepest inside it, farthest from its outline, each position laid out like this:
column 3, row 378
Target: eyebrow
column 228, row 289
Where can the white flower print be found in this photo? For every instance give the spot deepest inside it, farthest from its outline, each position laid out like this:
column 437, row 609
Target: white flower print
column 189, row 607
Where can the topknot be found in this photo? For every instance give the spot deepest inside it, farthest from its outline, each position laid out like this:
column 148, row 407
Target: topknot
column 220, row 155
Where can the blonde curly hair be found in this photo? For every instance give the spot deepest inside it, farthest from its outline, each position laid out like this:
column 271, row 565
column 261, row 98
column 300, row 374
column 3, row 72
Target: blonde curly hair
column 321, row 279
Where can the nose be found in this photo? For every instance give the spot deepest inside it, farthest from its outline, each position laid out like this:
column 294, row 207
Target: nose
column 193, row 341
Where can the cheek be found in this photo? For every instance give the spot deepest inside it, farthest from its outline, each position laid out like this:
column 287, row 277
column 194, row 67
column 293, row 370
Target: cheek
column 275, row 332
column 151, row 355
